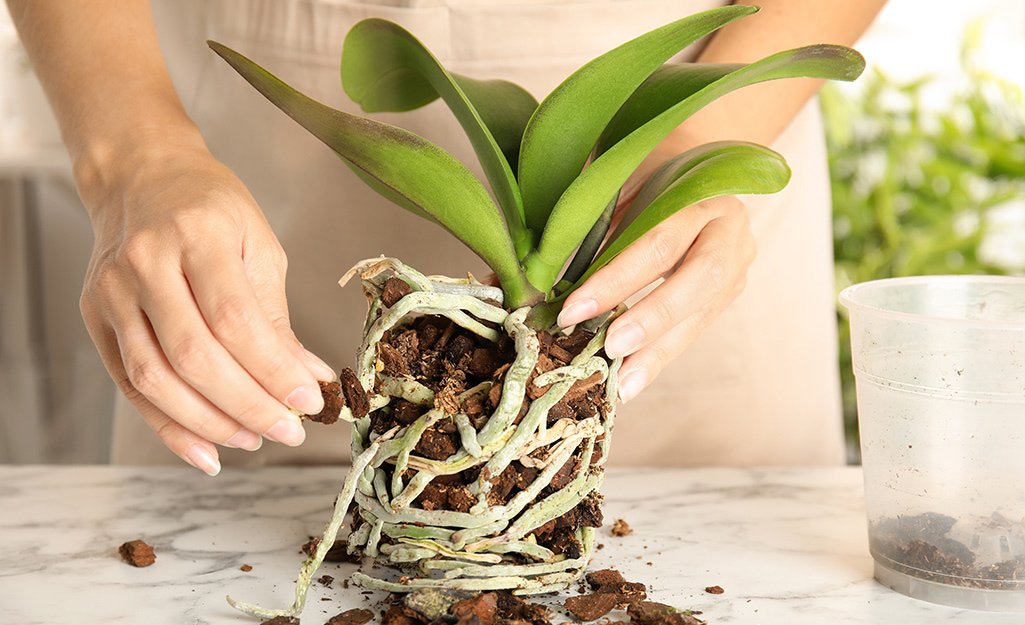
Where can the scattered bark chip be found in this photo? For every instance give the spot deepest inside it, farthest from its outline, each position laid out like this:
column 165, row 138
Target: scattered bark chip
column 356, row 616
column 512, row 608
column 401, row 615
column 651, row 613
column 137, row 553
column 620, row 528
column 245, row 568
column 592, row 607
column 714, row 590
column 483, row 606
column 610, row 581
column 282, row 620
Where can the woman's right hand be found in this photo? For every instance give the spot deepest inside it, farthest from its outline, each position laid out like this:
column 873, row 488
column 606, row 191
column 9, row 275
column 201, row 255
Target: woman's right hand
column 185, row 300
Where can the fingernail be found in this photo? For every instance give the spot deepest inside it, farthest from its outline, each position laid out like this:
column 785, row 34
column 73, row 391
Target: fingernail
column 288, row 432
column 324, row 372
column 199, row 457
column 631, row 384
column 577, row 312
column 245, row 439
column 624, row 340
column 306, row 400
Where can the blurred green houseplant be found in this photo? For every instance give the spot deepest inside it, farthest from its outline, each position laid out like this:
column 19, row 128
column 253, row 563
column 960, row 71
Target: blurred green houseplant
column 921, row 190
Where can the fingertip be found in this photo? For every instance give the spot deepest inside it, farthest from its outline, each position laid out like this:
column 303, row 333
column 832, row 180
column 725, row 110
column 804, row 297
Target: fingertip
column 203, row 458
column 575, row 312
column 287, row 431
column 624, row 340
column 245, row 439
column 306, row 400
column 632, row 383
column 320, row 369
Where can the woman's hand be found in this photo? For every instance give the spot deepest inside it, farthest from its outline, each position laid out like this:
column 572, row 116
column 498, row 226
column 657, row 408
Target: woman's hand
column 703, row 252
column 185, row 300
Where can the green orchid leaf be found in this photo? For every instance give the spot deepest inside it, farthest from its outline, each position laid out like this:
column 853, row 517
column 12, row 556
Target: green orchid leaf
column 421, row 175
column 505, row 108
column 385, row 68
column 667, row 86
column 588, row 195
column 711, row 170
column 563, row 131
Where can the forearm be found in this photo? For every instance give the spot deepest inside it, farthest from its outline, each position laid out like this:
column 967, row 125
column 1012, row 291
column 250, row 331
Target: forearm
column 101, row 67
column 759, row 113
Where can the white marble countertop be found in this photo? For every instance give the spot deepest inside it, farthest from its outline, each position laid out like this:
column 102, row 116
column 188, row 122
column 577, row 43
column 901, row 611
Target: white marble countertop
column 787, row 545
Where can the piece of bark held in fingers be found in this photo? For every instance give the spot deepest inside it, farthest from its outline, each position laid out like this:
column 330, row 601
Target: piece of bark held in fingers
column 333, row 402
column 355, row 397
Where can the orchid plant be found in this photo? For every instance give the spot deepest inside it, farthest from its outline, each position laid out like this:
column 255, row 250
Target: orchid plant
column 548, row 231
column 555, row 169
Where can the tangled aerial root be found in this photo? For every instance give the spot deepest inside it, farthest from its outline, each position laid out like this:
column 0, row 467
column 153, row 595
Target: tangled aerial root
column 491, row 546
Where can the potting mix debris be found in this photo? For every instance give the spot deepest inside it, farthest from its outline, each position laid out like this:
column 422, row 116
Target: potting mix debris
column 137, row 553
column 436, row 606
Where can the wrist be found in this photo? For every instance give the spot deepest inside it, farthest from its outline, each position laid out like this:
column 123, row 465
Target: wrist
column 111, row 163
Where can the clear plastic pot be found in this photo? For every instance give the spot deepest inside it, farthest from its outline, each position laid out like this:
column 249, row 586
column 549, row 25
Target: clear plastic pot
column 940, row 369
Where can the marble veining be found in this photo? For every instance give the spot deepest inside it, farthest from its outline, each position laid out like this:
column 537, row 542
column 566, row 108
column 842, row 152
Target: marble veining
column 787, row 545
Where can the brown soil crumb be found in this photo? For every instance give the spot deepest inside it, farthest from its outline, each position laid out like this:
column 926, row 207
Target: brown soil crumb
column 483, row 607
column 356, row 616
column 137, row 553
column 714, row 590
column 920, row 546
column 245, row 568
column 339, row 551
column 610, row 581
column 325, row 580
column 592, row 607
column 401, row 615
column 620, row 528
column 652, row 613
column 394, row 289
column 282, row 620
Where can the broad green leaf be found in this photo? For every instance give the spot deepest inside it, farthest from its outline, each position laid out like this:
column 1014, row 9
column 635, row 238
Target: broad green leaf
column 667, row 86
column 711, row 170
column 429, row 179
column 505, row 108
column 385, row 68
column 588, row 195
column 563, row 131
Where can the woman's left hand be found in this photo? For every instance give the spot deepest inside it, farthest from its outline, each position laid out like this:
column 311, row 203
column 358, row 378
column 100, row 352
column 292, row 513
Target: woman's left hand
column 703, row 252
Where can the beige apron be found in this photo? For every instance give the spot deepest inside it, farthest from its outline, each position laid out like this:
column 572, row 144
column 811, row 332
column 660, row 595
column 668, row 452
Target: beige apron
column 760, row 387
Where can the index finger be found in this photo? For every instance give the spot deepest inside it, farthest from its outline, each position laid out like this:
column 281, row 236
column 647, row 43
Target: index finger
column 238, row 320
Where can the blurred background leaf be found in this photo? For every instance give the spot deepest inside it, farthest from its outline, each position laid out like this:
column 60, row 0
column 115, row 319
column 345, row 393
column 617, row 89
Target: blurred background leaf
column 921, row 190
